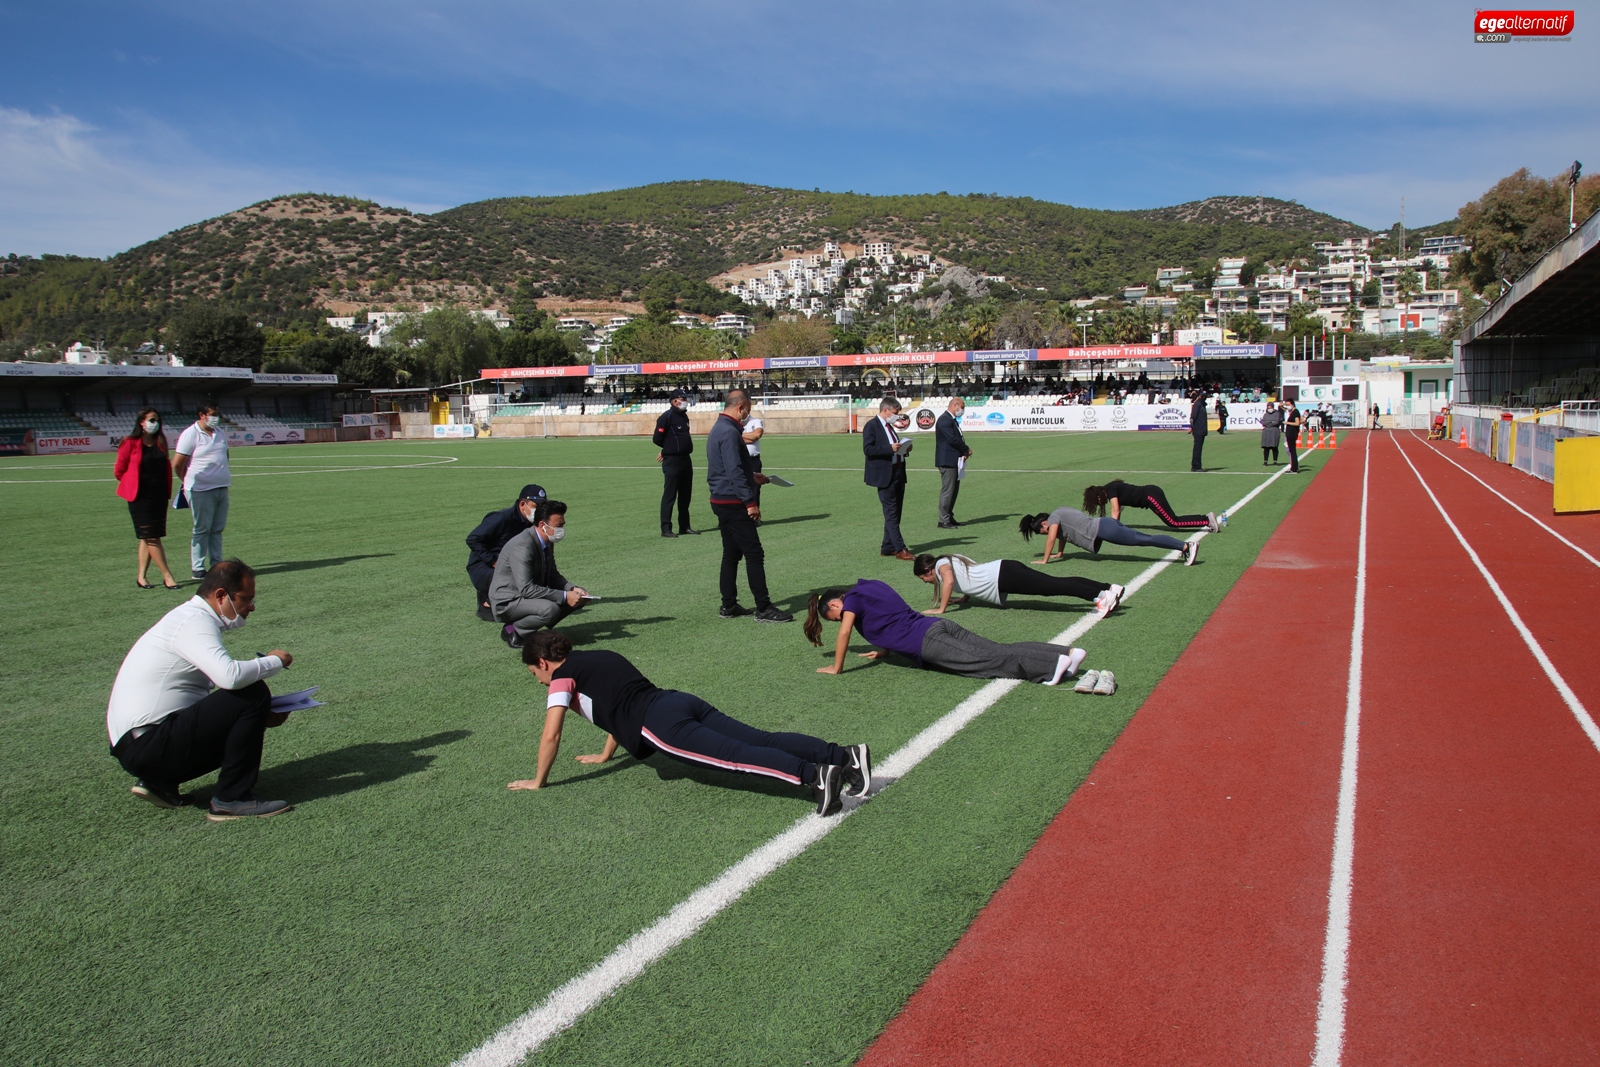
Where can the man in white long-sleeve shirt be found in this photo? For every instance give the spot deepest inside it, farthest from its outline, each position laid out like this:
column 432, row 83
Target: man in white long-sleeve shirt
column 166, row 722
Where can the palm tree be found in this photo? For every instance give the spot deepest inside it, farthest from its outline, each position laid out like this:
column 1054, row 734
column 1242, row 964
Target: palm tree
column 1187, row 313
column 1406, row 289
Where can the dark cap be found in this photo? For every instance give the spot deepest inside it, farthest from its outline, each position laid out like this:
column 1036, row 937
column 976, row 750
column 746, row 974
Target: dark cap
column 531, row 492
column 679, row 394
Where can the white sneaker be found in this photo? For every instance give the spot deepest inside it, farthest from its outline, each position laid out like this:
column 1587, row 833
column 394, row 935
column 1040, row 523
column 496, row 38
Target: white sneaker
column 1106, row 684
column 1191, row 550
column 1087, row 683
column 1108, row 600
column 1211, row 522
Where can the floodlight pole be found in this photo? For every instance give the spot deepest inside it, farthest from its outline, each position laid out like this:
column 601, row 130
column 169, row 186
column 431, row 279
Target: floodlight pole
column 1572, row 195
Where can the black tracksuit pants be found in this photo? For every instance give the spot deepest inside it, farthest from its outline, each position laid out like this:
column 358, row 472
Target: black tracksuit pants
column 1157, row 502
column 677, row 473
column 221, row 730
column 741, row 540
column 1019, row 580
column 688, row 729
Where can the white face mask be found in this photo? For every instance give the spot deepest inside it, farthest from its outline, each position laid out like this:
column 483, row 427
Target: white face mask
column 209, row 422
column 151, row 426
column 238, row 620
column 555, row 533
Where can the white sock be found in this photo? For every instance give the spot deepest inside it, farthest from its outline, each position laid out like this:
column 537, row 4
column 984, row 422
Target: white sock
column 1067, row 665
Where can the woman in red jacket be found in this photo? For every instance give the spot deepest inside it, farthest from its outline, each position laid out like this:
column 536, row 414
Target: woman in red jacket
column 144, row 480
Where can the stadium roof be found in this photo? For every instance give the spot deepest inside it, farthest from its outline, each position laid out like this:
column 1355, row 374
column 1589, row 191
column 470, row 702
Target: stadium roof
column 1556, row 297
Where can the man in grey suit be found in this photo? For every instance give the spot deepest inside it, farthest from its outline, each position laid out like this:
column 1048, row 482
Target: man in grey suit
column 528, row 591
column 950, row 449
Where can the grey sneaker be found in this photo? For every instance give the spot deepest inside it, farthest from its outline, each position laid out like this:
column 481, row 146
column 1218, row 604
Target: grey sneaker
column 223, row 810
column 1191, row 552
column 858, row 776
column 828, row 788
column 1212, row 522
column 159, row 794
column 1107, row 684
column 1087, row 683
column 772, row 613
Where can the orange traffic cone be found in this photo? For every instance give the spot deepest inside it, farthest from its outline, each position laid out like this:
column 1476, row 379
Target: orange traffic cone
column 1463, row 443
column 1333, row 439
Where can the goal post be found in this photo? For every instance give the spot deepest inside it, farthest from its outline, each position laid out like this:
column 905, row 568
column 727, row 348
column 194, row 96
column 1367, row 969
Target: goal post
column 806, row 413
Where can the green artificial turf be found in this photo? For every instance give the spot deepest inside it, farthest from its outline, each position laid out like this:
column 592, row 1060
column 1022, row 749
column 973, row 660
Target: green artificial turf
column 411, row 905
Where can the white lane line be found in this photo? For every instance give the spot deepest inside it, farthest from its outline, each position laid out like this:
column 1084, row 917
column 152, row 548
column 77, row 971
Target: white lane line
column 1579, row 712
column 857, row 470
column 247, row 473
column 519, row 1039
column 1444, row 455
column 1336, row 942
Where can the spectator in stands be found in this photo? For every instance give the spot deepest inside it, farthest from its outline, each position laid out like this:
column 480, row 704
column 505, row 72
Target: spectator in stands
column 677, row 469
column 528, row 591
column 491, row 535
column 1271, row 430
column 182, row 707
column 949, row 451
column 144, row 480
column 733, row 482
column 886, row 454
column 201, row 461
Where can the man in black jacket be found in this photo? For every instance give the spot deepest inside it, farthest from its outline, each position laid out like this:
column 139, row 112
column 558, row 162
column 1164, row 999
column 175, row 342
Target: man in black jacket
column 731, row 474
column 886, row 453
column 949, row 450
column 491, row 535
column 677, row 469
column 1197, row 427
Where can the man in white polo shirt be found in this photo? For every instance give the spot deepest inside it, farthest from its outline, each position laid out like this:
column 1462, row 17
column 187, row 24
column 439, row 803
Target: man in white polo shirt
column 166, row 722
column 201, row 460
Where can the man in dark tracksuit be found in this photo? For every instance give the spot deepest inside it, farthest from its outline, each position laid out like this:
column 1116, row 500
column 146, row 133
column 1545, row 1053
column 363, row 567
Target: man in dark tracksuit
column 949, row 450
column 677, row 469
column 731, row 474
column 491, row 535
column 1197, row 427
column 886, row 471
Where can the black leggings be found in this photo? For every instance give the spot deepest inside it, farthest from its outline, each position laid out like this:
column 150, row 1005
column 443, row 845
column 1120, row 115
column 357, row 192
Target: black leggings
column 1015, row 579
column 1156, row 501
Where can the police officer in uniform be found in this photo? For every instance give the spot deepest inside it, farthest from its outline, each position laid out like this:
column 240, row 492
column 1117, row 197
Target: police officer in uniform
column 677, row 469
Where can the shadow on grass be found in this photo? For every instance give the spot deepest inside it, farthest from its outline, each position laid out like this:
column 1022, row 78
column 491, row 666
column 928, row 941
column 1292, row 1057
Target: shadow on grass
column 609, row 629
column 315, row 564
column 928, row 546
column 354, row 767
column 621, row 761
column 794, row 518
column 669, row 769
column 986, row 518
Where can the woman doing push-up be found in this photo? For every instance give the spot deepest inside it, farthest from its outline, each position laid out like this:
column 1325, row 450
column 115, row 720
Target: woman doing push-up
column 1118, row 494
column 990, row 583
column 609, row 691
column 1086, row 531
column 892, row 624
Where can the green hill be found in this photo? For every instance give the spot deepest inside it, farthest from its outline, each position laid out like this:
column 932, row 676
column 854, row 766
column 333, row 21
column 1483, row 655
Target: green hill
column 287, row 260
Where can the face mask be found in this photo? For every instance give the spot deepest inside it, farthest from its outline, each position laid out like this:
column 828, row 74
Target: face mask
column 238, row 620
column 680, row 404
column 209, row 422
column 555, row 533
column 151, row 426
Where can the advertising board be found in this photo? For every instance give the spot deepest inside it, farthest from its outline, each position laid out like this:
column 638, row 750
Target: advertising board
column 63, row 444
column 455, row 429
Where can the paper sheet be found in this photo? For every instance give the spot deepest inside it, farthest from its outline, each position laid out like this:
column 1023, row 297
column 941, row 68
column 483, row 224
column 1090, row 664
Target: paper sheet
column 773, row 479
column 961, row 468
column 287, row 702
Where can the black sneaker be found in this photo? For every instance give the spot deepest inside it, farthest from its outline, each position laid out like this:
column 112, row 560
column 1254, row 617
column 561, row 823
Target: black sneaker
column 508, row 634
column 162, row 796
column 830, row 779
column 223, row 810
column 668, row 533
column 772, row 613
column 737, row 611
column 858, row 776
column 197, row 574
column 689, row 533
column 486, row 613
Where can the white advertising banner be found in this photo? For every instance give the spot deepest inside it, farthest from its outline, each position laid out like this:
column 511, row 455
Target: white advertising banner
column 456, row 429
column 365, row 418
column 1078, row 418
column 60, row 444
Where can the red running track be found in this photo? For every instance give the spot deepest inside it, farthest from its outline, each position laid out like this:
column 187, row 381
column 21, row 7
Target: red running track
column 1175, row 911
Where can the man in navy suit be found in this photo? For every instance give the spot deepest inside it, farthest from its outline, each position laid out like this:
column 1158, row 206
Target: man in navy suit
column 949, row 450
column 886, row 453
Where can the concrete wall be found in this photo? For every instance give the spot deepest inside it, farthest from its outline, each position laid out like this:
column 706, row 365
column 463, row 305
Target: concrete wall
column 799, row 420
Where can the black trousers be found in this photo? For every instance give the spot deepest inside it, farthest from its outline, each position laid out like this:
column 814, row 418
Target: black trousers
column 1293, row 440
column 1199, row 445
column 481, row 574
column 893, row 498
column 221, row 730
column 677, row 473
column 688, row 729
column 1157, row 502
column 741, row 540
column 1017, row 579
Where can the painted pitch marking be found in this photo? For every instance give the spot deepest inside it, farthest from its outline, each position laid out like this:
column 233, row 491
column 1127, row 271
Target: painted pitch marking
column 1329, row 1048
column 1442, row 454
column 1579, row 712
column 523, row 1036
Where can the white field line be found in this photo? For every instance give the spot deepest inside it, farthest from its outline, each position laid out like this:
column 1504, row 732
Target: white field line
column 857, row 470
column 1579, row 712
column 519, row 1039
column 1442, row 453
column 1336, row 942
column 437, row 462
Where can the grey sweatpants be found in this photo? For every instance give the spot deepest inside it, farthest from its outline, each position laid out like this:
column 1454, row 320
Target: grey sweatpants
column 951, row 648
column 532, row 614
column 949, row 489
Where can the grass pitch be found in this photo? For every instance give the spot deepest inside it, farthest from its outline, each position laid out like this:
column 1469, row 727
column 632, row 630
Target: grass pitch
column 411, row 905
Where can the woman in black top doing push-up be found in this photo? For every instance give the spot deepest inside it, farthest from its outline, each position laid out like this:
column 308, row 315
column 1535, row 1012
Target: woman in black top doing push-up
column 1118, row 494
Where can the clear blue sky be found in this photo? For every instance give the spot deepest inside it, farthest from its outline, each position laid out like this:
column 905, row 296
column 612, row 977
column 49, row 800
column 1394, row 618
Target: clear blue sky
column 121, row 121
